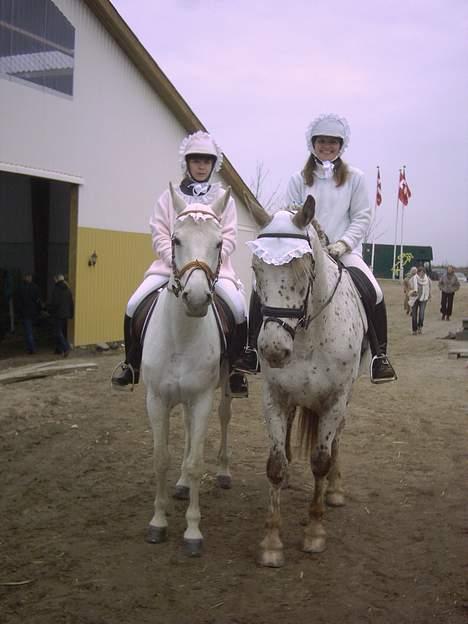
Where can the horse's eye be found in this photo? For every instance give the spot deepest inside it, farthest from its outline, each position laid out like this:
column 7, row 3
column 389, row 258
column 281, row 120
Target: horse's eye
column 176, row 241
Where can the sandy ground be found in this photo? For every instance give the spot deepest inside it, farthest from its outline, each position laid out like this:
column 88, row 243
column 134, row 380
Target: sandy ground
column 77, row 492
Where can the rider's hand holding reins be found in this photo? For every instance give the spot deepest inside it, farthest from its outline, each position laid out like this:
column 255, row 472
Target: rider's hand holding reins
column 336, row 250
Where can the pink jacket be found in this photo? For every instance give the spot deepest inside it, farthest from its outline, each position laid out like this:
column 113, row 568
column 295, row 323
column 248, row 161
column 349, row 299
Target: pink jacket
column 162, row 223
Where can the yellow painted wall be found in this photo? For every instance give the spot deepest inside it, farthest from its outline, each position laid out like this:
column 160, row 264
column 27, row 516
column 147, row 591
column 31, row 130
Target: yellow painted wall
column 102, row 291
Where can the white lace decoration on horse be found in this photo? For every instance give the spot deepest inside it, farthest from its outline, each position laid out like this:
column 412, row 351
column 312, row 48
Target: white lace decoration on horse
column 203, row 215
column 278, row 250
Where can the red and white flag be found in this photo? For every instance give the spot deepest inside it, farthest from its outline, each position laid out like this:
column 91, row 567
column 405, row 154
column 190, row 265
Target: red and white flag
column 404, row 192
column 378, row 194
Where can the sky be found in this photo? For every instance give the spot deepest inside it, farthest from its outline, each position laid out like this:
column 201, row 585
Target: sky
column 257, row 72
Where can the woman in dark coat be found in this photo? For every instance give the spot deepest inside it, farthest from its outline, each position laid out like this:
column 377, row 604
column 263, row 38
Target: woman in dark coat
column 61, row 309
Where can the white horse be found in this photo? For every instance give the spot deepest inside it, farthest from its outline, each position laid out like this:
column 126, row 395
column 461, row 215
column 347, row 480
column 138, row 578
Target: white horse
column 181, row 363
column 310, row 353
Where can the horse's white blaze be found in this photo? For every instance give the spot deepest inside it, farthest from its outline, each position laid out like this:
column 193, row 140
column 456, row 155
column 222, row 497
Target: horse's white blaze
column 181, row 363
column 314, row 370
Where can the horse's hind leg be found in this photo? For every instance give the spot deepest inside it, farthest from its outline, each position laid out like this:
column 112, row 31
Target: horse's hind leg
column 321, row 460
column 223, row 475
column 335, row 493
column 159, row 418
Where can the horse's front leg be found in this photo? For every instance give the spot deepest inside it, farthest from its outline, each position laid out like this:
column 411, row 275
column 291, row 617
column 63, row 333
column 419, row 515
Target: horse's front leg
column 199, row 411
column 271, row 547
column 158, row 414
column 223, row 474
column 321, row 461
column 182, row 488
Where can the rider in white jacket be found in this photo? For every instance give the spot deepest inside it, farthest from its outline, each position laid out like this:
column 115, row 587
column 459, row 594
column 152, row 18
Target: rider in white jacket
column 344, row 212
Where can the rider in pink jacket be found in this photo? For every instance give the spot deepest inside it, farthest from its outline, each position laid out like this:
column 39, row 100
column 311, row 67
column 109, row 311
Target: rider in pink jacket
column 200, row 158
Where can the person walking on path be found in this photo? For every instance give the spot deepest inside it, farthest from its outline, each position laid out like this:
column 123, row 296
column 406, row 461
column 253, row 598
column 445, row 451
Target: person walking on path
column 418, row 296
column 28, row 304
column 409, row 275
column 448, row 285
column 61, row 309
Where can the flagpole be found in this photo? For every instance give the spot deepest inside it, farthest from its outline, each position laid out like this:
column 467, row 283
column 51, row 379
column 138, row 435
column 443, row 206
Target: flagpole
column 374, row 222
column 396, row 230
column 401, row 232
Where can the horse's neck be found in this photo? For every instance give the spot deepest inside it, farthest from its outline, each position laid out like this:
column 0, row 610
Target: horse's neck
column 326, row 274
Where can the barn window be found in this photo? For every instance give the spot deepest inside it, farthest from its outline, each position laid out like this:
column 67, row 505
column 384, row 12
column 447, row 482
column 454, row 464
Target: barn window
column 37, row 44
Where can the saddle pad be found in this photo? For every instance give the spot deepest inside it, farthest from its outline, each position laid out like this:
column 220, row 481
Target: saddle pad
column 224, row 316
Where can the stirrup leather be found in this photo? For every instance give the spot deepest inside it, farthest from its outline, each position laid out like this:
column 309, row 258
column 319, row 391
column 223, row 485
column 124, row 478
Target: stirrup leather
column 374, row 366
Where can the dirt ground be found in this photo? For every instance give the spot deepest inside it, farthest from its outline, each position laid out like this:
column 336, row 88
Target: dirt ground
column 77, row 493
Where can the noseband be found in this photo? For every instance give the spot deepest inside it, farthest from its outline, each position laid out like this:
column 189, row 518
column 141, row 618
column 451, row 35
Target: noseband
column 194, row 265
column 276, row 315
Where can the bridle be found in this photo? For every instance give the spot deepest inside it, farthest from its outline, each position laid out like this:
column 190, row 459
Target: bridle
column 193, row 265
column 273, row 314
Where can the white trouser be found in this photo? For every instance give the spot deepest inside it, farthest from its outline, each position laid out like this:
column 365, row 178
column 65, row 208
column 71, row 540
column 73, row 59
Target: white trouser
column 225, row 288
column 355, row 260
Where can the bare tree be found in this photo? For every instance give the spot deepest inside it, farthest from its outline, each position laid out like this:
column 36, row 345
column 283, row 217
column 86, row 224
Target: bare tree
column 269, row 200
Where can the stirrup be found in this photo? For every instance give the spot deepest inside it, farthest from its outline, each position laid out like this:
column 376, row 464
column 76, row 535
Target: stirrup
column 248, row 362
column 123, row 366
column 238, row 385
column 378, row 363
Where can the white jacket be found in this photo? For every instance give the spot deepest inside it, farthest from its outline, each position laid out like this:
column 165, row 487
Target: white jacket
column 413, row 292
column 343, row 212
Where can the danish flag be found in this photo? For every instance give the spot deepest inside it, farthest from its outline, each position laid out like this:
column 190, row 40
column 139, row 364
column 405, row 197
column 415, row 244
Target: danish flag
column 378, row 194
column 404, row 192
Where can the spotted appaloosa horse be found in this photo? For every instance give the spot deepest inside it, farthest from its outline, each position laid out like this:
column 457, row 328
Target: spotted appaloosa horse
column 310, row 352
column 181, row 363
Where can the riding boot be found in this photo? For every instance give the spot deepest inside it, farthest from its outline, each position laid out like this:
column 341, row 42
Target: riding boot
column 248, row 361
column 381, row 369
column 128, row 372
column 237, row 381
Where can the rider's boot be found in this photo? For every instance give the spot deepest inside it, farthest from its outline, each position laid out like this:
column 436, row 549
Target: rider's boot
column 128, row 372
column 248, row 360
column 237, row 380
column 381, row 369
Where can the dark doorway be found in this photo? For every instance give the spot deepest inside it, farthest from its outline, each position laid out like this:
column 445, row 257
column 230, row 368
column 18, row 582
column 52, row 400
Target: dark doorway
column 34, row 239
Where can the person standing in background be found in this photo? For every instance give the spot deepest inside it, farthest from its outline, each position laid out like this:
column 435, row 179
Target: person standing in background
column 28, row 305
column 418, row 296
column 61, row 309
column 448, row 284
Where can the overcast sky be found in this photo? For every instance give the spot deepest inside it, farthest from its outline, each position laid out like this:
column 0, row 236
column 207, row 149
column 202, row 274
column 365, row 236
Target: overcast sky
column 257, row 72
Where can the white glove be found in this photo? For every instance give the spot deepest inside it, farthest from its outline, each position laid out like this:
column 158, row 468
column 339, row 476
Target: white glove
column 336, row 250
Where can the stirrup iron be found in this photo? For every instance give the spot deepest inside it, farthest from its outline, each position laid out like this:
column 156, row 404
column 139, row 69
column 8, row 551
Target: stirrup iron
column 374, row 365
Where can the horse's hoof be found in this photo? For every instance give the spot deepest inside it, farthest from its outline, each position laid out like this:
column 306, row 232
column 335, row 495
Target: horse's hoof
column 315, row 544
column 271, row 558
column 335, row 499
column 155, row 535
column 224, row 482
column 182, row 492
column 193, row 547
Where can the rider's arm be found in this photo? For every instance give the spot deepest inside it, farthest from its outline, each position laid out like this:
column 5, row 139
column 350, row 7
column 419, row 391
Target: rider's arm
column 360, row 212
column 161, row 227
column 229, row 223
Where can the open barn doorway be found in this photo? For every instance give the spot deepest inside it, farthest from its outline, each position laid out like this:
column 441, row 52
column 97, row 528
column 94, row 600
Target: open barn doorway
column 37, row 217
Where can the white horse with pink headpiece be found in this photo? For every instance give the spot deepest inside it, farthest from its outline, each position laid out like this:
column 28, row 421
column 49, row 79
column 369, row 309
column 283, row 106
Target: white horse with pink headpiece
column 181, row 363
column 311, row 352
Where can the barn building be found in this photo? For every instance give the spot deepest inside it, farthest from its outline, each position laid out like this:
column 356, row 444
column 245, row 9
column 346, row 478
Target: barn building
column 90, row 129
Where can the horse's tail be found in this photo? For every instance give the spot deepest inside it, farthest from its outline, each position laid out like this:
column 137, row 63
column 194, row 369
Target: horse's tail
column 307, row 430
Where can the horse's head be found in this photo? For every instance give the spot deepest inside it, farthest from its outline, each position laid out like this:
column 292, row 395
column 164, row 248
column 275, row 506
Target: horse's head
column 196, row 251
column 283, row 264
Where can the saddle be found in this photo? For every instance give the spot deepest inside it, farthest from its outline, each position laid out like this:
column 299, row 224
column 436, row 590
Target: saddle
column 224, row 318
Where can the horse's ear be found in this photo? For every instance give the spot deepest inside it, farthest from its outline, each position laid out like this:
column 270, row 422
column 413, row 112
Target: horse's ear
column 304, row 216
column 177, row 200
column 259, row 214
column 220, row 204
